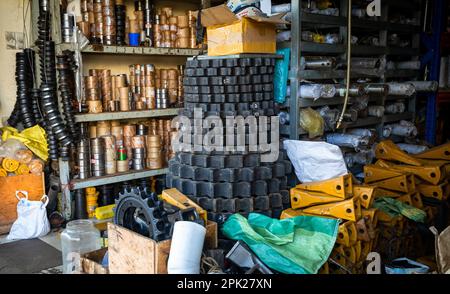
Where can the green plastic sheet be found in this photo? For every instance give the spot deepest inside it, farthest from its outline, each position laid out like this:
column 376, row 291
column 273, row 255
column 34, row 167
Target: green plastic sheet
column 298, row 245
column 394, row 208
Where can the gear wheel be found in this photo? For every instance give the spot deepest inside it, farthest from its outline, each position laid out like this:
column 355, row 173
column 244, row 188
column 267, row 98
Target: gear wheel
column 142, row 212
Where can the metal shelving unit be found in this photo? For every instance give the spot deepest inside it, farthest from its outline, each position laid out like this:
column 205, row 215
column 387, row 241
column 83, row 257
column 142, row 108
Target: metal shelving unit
column 302, row 19
column 67, row 182
column 119, row 177
column 124, row 115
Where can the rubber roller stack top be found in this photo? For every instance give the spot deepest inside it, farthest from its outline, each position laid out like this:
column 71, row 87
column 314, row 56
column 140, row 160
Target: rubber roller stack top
column 233, row 181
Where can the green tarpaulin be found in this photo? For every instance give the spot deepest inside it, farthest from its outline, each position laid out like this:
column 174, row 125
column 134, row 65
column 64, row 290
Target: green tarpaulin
column 394, row 208
column 299, row 245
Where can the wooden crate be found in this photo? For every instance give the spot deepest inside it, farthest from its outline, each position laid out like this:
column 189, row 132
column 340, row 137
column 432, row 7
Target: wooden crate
column 35, row 186
column 91, row 263
column 131, row 253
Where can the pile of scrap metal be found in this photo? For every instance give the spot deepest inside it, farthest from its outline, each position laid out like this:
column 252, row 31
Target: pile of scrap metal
column 340, row 198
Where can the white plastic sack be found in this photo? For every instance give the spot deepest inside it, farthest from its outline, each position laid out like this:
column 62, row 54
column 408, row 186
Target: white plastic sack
column 315, row 161
column 31, row 219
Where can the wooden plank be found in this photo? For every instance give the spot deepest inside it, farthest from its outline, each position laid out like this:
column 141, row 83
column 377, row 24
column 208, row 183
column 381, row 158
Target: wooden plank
column 33, row 184
column 90, row 263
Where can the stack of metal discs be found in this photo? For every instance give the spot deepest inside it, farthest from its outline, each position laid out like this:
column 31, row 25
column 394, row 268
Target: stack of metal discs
column 109, row 22
column 138, row 161
column 68, row 22
column 97, row 157
column 84, row 159
column 162, row 98
column 121, row 19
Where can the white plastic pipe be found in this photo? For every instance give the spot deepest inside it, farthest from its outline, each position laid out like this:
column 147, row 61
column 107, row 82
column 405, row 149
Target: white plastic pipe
column 186, row 248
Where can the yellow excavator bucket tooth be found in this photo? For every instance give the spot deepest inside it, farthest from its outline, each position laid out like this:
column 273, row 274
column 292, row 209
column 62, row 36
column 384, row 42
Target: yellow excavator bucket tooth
column 365, row 194
column 302, row 198
column 417, row 200
column 380, row 192
column 389, row 151
column 433, row 191
column 438, row 152
column 375, row 173
column 352, row 232
column 431, row 174
column 343, row 236
column 399, row 183
column 339, row 187
column 362, row 231
column 350, row 254
column 405, row 199
column 358, row 250
column 324, row 270
column 371, row 213
column 343, row 209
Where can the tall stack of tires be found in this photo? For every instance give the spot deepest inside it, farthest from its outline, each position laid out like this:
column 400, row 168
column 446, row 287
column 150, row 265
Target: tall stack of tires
column 228, row 182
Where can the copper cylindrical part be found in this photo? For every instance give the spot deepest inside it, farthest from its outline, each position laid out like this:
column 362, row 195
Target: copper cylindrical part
column 94, row 106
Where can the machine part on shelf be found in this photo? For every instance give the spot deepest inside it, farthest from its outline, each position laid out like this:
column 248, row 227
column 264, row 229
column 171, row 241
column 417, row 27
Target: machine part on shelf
column 374, row 173
column 425, row 86
column 316, row 91
column 365, row 195
column 284, row 36
column 284, row 118
column 330, row 116
column 281, row 8
column 389, row 151
column 340, row 187
column 365, row 62
column 393, row 108
column 377, row 89
column 302, row 198
column 412, row 65
column 438, row 152
column 387, row 131
column 355, row 90
column 347, row 140
column 105, row 212
column 97, row 157
column 362, row 157
column 178, row 199
column 106, row 195
column 317, row 62
column 376, row 110
column 349, row 58
column 362, row 132
column 412, row 148
column 80, row 204
column 401, row 89
column 343, row 209
column 403, row 129
column 244, row 258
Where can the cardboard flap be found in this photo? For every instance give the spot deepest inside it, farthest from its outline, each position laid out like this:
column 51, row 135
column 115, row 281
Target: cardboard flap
column 221, row 15
column 217, row 15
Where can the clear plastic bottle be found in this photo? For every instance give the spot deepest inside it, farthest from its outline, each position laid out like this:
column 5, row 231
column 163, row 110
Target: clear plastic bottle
column 79, row 237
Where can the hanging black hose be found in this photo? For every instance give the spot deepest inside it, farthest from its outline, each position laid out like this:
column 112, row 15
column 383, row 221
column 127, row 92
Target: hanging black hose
column 24, row 81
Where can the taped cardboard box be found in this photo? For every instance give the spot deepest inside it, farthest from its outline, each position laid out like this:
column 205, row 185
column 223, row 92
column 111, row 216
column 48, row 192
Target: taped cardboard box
column 227, row 34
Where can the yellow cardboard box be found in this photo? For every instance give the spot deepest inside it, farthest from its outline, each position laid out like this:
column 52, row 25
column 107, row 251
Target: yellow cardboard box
column 227, row 34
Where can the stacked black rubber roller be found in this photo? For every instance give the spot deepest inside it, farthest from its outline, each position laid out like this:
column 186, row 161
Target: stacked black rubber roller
column 24, row 107
column 66, row 66
column 121, row 18
column 58, row 137
column 231, row 182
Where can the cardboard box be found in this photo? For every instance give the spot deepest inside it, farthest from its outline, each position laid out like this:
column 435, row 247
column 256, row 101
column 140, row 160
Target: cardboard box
column 131, row 253
column 227, row 34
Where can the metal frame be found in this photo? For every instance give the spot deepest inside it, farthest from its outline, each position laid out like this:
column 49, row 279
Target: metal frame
column 299, row 47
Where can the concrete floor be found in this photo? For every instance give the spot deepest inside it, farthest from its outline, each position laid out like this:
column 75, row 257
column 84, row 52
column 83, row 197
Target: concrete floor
column 53, row 239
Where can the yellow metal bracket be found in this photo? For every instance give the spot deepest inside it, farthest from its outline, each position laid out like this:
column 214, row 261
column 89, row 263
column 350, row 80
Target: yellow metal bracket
column 389, row 151
column 302, row 198
column 433, row 191
column 438, row 152
column 340, row 187
column 178, row 199
column 374, row 173
column 344, row 209
column 365, row 194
